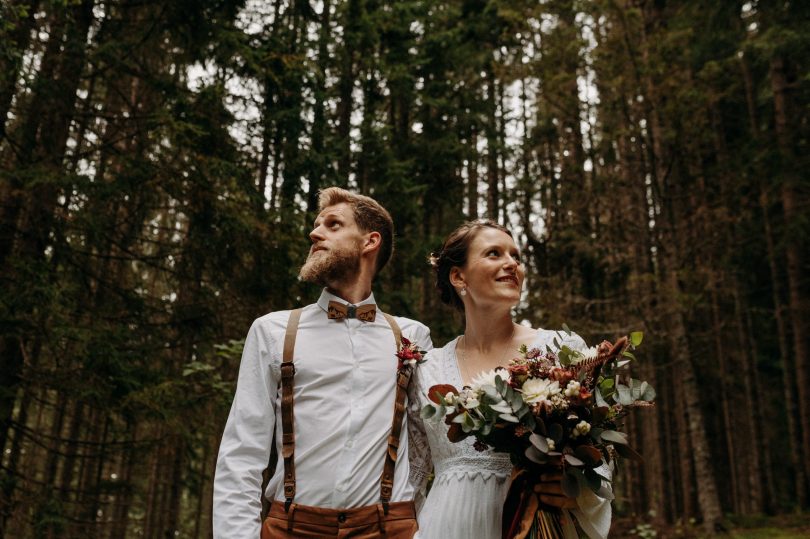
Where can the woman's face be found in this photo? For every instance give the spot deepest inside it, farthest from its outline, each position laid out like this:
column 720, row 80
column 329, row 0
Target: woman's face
column 493, row 272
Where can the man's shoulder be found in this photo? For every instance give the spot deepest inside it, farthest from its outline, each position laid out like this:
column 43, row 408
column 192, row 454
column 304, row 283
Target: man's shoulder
column 276, row 320
column 409, row 324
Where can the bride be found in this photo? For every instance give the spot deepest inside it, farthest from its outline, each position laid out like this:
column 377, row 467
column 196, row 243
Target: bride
column 479, row 271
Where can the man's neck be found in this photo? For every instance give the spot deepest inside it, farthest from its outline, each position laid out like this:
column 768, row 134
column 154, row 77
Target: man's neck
column 354, row 293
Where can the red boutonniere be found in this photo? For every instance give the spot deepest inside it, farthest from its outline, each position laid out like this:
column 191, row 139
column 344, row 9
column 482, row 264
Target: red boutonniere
column 409, row 355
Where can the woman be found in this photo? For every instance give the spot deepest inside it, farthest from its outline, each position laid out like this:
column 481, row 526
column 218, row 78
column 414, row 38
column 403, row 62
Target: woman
column 479, row 271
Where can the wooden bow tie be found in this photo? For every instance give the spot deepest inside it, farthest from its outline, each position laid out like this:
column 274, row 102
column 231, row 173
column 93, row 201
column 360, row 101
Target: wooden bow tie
column 339, row 311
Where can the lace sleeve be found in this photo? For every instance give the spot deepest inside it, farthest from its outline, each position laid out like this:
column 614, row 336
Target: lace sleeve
column 419, row 458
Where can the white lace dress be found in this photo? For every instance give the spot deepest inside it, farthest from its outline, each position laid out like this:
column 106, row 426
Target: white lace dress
column 469, row 486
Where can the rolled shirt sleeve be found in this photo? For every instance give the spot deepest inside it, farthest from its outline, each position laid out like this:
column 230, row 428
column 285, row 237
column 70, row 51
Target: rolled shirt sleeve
column 246, row 443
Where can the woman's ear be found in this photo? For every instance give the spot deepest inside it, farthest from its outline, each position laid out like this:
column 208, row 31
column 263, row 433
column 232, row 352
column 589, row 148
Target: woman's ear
column 457, row 278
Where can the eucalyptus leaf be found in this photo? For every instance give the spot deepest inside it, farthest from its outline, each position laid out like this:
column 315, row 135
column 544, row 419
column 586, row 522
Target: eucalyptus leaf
column 516, row 401
column 636, row 337
column 605, row 491
column 623, row 395
column 615, row 437
column 572, row 460
column 523, row 410
column 539, row 442
column 491, row 392
column 593, row 479
column 427, row 411
column 535, row 456
column 509, row 417
column 502, row 408
column 628, row 452
column 600, row 400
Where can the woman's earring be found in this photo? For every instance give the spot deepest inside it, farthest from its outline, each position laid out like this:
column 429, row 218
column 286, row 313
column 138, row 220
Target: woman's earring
column 463, row 291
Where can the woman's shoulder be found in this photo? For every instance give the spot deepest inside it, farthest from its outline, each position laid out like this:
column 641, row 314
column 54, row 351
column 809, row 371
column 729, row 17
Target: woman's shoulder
column 435, row 365
column 442, row 351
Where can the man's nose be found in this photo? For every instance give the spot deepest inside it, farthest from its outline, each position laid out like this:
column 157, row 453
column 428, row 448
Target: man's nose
column 316, row 234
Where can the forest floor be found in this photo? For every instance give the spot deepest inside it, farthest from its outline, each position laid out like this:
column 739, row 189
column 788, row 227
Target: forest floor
column 792, row 526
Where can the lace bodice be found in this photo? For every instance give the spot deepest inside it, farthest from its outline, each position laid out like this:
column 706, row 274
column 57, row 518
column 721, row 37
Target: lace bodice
column 429, row 441
column 457, row 458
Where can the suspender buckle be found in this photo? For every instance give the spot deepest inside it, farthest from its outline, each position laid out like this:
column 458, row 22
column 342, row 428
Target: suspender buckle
column 287, row 369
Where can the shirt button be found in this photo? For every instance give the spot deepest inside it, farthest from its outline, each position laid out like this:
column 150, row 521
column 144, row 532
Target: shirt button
column 342, row 518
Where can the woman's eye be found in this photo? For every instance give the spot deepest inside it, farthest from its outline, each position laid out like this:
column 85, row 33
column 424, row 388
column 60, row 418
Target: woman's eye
column 493, row 252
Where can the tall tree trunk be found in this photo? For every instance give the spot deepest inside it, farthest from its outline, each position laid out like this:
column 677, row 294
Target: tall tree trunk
column 790, row 200
column 472, row 174
column 491, row 129
column 788, row 380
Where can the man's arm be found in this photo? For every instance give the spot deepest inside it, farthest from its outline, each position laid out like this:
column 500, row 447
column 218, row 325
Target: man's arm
column 245, row 447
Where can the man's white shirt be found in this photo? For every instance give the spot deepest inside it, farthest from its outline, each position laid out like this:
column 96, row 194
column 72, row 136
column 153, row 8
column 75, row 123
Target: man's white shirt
column 345, row 386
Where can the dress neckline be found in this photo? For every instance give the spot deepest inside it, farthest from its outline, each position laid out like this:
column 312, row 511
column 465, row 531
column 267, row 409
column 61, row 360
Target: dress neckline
column 453, row 355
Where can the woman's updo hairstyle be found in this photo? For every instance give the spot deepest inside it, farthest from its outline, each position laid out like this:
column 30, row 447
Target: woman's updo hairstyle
column 454, row 254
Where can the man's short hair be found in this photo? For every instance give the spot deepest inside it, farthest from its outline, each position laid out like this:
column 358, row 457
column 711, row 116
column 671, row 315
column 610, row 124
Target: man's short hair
column 369, row 215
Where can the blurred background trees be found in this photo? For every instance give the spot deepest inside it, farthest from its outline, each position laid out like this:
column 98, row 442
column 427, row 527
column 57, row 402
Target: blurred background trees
column 158, row 169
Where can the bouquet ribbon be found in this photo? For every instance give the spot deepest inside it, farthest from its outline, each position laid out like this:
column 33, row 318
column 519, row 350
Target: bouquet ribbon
column 523, row 515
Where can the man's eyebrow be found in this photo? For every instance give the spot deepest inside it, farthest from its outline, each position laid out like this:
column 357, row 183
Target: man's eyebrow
column 334, row 215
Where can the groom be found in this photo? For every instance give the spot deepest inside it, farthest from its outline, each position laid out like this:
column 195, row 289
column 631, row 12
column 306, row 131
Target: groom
column 321, row 382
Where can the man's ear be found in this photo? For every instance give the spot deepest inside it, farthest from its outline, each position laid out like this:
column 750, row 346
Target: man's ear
column 457, row 277
column 372, row 242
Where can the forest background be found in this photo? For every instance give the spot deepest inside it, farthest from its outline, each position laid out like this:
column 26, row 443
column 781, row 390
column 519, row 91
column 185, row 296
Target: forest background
column 158, row 169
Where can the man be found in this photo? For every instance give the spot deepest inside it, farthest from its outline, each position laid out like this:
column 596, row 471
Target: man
column 331, row 405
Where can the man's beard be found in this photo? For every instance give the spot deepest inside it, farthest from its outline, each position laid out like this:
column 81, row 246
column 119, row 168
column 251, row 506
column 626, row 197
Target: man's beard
column 332, row 266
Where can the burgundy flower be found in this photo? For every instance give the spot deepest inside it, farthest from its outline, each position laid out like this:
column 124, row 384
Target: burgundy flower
column 480, row 446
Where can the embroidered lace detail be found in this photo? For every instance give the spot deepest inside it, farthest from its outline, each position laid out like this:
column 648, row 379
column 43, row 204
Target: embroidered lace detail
column 483, row 464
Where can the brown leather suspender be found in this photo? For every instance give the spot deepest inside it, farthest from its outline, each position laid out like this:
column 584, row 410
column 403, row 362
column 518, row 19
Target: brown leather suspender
column 288, row 424
column 403, row 378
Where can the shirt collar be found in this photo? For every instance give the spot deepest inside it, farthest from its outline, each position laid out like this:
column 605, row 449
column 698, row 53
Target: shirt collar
column 326, row 297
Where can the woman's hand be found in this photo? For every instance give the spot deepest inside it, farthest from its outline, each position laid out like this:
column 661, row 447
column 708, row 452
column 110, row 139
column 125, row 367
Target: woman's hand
column 550, row 491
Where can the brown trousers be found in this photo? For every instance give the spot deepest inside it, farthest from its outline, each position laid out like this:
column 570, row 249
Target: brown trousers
column 368, row 522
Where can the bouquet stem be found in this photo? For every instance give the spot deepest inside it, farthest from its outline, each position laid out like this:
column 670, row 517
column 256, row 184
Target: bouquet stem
column 546, row 526
column 523, row 517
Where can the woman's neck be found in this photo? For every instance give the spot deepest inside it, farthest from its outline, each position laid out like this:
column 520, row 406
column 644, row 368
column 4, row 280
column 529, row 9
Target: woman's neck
column 486, row 331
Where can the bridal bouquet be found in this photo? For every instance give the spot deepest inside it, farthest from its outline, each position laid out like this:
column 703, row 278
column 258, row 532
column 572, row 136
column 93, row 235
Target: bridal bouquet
column 548, row 408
